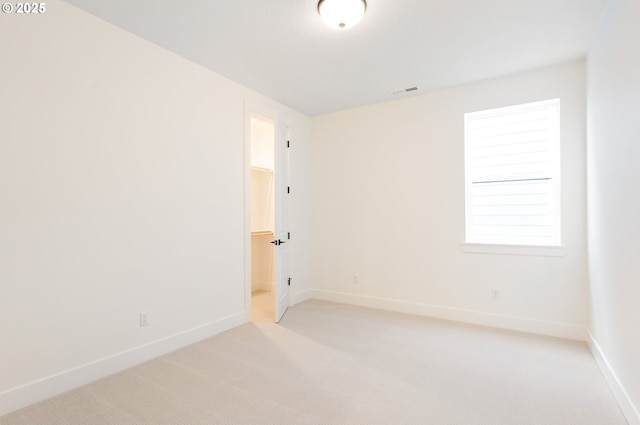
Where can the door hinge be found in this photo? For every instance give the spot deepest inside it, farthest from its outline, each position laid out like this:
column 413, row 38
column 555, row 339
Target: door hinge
column 288, row 144
column 289, row 282
column 289, row 235
column 288, row 189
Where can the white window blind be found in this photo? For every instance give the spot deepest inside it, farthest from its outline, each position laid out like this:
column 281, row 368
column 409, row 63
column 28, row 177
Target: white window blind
column 512, row 158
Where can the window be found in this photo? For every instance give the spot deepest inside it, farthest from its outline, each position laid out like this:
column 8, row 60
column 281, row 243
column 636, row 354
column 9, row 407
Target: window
column 512, row 168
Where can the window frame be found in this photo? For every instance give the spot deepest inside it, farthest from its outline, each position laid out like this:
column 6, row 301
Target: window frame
column 482, row 245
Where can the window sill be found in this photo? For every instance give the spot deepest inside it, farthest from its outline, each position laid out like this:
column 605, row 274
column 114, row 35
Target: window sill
column 540, row 251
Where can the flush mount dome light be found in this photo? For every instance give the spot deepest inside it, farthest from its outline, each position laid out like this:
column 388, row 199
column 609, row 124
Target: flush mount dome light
column 341, row 14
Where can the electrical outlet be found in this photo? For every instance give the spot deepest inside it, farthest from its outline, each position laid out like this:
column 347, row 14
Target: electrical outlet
column 144, row 319
column 495, row 294
column 355, row 279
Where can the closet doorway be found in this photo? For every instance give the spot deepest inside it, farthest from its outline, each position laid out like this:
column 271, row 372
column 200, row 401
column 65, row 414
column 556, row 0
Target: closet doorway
column 262, row 205
column 267, row 236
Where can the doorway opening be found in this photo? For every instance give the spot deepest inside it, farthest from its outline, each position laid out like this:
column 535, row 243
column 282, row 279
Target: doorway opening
column 262, row 141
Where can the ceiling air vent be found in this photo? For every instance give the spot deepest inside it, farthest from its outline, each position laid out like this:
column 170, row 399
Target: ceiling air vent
column 407, row 90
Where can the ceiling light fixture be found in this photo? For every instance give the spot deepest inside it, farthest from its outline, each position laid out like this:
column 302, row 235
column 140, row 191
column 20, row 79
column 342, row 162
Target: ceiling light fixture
column 341, row 14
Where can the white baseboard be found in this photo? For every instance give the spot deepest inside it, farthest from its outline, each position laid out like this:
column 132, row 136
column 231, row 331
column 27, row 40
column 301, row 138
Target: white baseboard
column 629, row 410
column 299, row 297
column 34, row 392
column 541, row 327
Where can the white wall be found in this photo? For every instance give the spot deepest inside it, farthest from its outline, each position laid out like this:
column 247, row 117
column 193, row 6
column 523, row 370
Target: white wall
column 614, row 204
column 122, row 172
column 388, row 206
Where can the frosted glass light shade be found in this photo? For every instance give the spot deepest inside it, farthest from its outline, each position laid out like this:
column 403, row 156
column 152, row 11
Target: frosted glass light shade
column 341, row 14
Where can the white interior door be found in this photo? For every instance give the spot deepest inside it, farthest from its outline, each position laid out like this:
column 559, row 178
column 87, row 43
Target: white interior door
column 281, row 241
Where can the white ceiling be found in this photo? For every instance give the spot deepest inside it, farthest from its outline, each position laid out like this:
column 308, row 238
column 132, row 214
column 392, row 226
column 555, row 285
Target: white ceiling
column 282, row 49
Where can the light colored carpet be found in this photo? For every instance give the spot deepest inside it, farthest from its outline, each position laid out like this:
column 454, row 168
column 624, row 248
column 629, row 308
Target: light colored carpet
column 335, row 364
